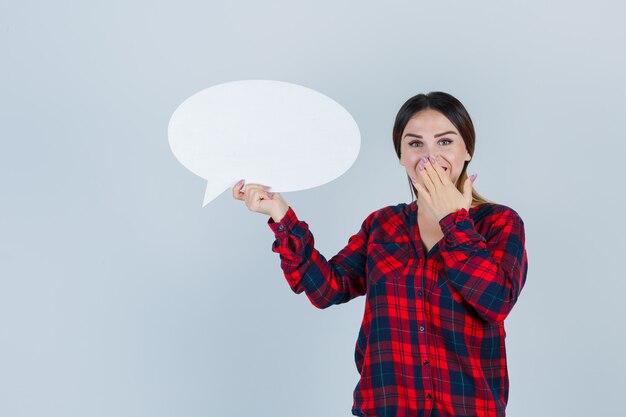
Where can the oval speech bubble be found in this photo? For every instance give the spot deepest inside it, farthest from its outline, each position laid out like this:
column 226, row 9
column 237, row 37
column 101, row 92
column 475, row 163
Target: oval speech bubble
column 274, row 133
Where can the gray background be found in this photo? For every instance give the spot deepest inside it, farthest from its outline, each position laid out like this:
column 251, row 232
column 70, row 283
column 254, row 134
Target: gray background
column 121, row 296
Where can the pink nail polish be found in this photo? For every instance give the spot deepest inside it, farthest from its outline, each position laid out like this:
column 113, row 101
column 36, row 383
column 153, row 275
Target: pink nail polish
column 431, row 159
column 473, row 177
column 420, row 167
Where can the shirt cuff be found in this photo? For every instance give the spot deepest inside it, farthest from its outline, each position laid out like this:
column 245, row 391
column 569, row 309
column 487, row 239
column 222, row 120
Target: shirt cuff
column 458, row 228
column 285, row 224
column 448, row 222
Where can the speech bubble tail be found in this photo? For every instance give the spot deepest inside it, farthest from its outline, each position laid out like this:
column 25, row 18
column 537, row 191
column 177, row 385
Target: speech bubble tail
column 211, row 192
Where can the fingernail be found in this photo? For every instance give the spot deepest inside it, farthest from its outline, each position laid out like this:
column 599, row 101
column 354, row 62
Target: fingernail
column 424, row 159
column 431, row 159
column 239, row 182
column 412, row 180
column 271, row 195
column 420, row 167
column 267, row 187
column 473, row 177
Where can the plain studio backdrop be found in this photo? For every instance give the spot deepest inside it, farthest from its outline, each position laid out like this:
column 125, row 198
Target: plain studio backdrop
column 121, row 296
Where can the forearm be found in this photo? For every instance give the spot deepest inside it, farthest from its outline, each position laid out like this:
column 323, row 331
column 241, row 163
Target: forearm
column 488, row 275
column 325, row 282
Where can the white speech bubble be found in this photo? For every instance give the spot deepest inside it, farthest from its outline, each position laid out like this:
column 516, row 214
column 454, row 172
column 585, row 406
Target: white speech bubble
column 274, row 133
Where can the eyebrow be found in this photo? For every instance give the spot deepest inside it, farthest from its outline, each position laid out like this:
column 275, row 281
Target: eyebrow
column 437, row 135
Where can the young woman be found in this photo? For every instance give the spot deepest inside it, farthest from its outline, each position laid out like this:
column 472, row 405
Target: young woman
column 440, row 275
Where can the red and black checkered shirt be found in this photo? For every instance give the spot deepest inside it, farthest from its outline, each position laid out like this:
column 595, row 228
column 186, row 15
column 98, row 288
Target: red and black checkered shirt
column 432, row 335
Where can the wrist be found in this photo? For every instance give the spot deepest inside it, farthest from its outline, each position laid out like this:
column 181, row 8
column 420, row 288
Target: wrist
column 445, row 214
column 279, row 214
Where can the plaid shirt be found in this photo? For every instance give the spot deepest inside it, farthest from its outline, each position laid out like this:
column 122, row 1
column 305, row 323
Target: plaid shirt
column 432, row 335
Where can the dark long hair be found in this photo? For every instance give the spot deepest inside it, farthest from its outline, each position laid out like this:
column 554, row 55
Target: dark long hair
column 454, row 111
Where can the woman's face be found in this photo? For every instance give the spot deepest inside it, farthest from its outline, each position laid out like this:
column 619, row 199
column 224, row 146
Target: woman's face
column 430, row 133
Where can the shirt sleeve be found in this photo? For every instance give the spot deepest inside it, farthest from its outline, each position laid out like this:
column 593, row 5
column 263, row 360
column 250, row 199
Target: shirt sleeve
column 488, row 272
column 325, row 282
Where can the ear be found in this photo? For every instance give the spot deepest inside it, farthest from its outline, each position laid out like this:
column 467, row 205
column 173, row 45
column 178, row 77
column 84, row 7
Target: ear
column 468, row 157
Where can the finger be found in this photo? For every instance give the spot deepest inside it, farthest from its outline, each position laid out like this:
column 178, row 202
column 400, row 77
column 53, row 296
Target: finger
column 432, row 173
column 251, row 198
column 237, row 193
column 423, row 191
column 257, row 186
column 249, row 187
column 251, row 192
column 255, row 196
column 428, row 183
column 468, row 187
column 441, row 173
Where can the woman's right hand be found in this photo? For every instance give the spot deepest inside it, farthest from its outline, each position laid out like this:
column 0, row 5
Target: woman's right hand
column 258, row 198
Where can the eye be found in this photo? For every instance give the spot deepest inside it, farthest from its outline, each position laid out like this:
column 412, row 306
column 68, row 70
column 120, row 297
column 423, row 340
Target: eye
column 420, row 143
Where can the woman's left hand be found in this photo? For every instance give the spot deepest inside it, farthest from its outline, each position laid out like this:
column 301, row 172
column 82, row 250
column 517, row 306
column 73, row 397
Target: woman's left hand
column 441, row 195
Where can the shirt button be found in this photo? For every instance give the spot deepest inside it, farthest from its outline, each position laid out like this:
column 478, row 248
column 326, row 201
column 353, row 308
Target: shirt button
column 281, row 227
column 421, row 328
column 429, row 396
column 419, row 292
column 425, row 363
